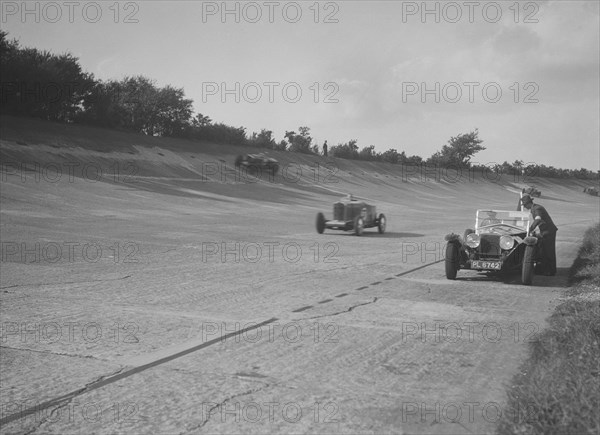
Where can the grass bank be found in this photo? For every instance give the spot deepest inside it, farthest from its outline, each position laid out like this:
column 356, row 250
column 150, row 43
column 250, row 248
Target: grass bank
column 556, row 389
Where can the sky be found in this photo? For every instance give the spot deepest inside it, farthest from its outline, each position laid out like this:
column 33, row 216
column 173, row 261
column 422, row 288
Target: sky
column 393, row 74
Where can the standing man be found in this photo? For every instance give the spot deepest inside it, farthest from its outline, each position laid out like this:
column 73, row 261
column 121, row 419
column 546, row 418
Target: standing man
column 325, row 149
column 542, row 219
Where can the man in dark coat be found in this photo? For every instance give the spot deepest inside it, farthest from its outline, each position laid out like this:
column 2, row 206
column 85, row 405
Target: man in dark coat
column 548, row 230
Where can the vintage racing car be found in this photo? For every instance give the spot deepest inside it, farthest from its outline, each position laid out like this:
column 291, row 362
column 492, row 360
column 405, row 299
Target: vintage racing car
column 350, row 214
column 591, row 190
column 257, row 163
column 500, row 242
column 531, row 191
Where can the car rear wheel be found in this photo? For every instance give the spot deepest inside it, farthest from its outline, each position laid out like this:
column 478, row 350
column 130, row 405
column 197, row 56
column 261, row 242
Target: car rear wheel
column 452, row 260
column 527, row 269
column 320, row 223
column 381, row 223
column 359, row 225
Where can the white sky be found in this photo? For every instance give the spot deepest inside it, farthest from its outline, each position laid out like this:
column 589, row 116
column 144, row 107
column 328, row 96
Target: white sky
column 378, row 59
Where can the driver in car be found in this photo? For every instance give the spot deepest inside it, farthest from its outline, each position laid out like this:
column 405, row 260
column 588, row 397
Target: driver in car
column 491, row 219
column 548, row 230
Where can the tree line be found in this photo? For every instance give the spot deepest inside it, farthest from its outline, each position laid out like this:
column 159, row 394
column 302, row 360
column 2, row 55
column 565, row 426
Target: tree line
column 38, row 83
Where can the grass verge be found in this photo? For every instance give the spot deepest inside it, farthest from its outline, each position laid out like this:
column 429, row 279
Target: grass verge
column 557, row 390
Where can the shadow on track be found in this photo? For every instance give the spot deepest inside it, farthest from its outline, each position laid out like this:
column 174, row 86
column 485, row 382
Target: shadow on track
column 560, row 280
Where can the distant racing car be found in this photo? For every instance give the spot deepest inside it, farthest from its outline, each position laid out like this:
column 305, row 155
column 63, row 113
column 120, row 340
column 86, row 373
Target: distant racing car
column 531, row 191
column 591, row 190
column 257, row 163
column 350, row 214
column 500, row 242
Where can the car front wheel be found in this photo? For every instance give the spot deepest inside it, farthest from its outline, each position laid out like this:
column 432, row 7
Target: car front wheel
column 320, row 223
column 359, row 225
column 527, row 269
column 381, row 223
column 452, row 260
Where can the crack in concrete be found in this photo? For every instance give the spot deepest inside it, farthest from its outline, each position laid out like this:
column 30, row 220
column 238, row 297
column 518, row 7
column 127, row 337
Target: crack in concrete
column 220, row 405
column 68, row 402
column 375, row 299
column 40, row 284
column 10, row 286
column 48, row 352
column 121, row 374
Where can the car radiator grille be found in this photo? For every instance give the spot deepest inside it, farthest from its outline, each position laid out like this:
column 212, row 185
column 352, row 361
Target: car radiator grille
column 338, row 211
column 490, row 246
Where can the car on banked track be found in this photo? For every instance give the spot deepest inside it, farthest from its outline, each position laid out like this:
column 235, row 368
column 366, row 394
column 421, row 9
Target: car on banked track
column 531, row 191
column 350, row 214
column 256, row 163
column 500, row 242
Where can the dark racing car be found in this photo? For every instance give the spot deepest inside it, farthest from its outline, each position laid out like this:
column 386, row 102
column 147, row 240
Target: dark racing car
column 256, row 163
column 591, row 191
column 350, row 214
column 500, row 242
column 531, row 191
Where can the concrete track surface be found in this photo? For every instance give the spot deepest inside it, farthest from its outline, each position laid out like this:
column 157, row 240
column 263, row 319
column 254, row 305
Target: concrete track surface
column 167, row 296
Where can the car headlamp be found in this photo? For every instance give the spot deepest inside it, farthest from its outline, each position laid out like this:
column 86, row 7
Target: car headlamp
column 506, row 242
column 472, row 240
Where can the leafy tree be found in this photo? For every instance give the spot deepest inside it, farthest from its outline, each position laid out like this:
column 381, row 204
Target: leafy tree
column 301, row 142
column 347, row 150
column 281, row 146
column 391, row 156
column 102, row 106
column 39, row 83
column 263, row 139
column 173, row 112
column 135, row 103
column 367, row 153
column 201, row 121
column 459, row 150
column 223, row 133
column 413, row 160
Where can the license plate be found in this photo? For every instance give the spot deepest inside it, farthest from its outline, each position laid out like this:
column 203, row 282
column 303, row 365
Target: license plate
column 490, row 265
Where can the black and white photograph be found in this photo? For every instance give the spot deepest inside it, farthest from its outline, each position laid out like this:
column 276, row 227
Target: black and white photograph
column 299, row 217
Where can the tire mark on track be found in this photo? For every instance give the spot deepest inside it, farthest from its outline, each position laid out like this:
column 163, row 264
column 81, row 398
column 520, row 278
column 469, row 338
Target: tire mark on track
column 420, row 267
column 110, row 379
column 297, row 310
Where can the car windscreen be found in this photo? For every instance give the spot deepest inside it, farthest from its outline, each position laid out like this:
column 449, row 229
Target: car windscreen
column 502, row 221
